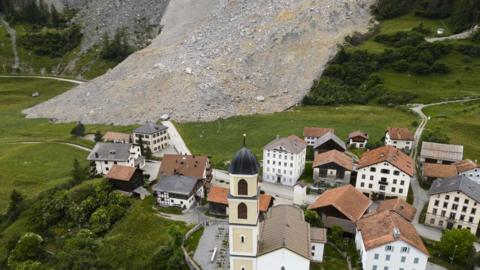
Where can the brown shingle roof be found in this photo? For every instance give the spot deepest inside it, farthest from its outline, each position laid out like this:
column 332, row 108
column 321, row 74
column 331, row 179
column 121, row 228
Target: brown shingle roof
column 111, row 136
column 465, row 165
column 318, row 235
column 378, row 229
column 346, row 199
column 292, row 144
column 358, row 133
column 401, row 134
column 285, row 227
column 123, row 173
column 388, row 154
column 436, row 170
column 188, row 165
column 316, row 132
column 399, row 206
column 334, row 156
column 220, row 195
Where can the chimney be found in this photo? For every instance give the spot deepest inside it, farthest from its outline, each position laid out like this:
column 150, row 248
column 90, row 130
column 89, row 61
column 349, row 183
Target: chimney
column 396, row 233
column 96, row 154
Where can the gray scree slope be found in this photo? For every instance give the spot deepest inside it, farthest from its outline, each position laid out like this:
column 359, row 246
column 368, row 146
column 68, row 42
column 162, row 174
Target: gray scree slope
column 214, row 58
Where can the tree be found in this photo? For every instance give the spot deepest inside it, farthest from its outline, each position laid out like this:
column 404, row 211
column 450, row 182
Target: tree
column 141, row 145
column 27, row 248
column 459, row 241
column 79, row 173
column 435, row 135
column 55, row 18
column 100, row 221
column 313, row 218
column 78, row 130
column 336, row 234
column 386, row 9
column 98, row 136
column 15, row 207
column 148, row 153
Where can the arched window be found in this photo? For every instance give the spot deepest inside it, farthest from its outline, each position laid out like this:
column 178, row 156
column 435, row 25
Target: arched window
column 242, row 211
column 242, row 187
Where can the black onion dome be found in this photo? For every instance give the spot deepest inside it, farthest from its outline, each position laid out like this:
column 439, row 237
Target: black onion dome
column 244, row 162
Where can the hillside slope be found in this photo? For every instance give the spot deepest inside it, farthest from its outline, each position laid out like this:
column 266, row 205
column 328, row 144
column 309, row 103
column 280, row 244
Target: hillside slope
column 214, row 59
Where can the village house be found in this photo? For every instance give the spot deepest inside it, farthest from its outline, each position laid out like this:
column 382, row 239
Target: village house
column 434, row 171
column 300, row 194
column 333, row 168
column 454, row 203
column 116, row 137
column 153, row 136
column 385, row 172
column 188, row 165
column 328, row 142
column 358, row 139
column 399, row 206
column 312, row 134
column 342, row 206
column 218, row 201
column 125, row 178
column 178, row 191
column 401, row 138
column 440, row 153
column 284, row 160
column 385, row 241
column 105, row 155
column 468, row 168
column 283, row 240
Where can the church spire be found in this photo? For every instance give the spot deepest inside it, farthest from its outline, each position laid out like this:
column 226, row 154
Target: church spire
column 244, row 139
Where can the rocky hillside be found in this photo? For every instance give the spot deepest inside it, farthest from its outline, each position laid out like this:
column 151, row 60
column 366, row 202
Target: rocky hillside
column 215, row 59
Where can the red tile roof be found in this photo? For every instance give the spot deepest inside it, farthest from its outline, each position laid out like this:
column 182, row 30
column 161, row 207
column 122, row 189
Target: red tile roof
column 358, row 133
column 123, row 173
column 346, row 199
column 188, row 165
column 465, row 165
column 398, row 206
column 116, row 136
column 316, row 132
column 436, row 170
column 402, row 134
column 388, row 154
column 334, row 156
column 220, row 195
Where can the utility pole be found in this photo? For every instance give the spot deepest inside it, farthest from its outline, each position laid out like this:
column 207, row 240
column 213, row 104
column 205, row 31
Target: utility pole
column 453, row 256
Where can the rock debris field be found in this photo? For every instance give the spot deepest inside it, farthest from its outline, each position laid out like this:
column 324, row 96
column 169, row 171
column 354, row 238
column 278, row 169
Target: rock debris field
column 216, row 59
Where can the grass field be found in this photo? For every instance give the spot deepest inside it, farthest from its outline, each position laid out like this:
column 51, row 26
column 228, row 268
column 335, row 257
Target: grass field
column 137, row 237
column 222, row 138
column 331, row 260
column 461, row 122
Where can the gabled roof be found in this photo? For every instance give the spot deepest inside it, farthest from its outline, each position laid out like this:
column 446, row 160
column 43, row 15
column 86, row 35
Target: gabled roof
column 334, row 156
column 330, row 136
column 110, row 152
column 400, row 134
column 358, row 133
column 442, row 151
column 465, row 165
column 388, row 154
column 457, row 183
column 219, row 195
column 386, row 227
column 178, row 184
column 123, row 173
column 291, row 144
column 399, row 206
column 346, row 199
column 437, row 170
column 116, row 136
column 150, row 128
column 188, row 165
column 316, row 132
column 318, row 235
column 285, row 227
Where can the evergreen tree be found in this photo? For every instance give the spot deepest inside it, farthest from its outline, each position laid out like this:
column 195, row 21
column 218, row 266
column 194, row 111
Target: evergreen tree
column 15, row 207
column 55, row 18
column 79, row 173
column 98, row 136
column 78, row 130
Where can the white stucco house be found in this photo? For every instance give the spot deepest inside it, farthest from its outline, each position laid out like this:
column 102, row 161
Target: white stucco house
column 453, row 204
column 178, row 190
column 401, row 138
column 385, row 171
column 312, row 134
column 104, row 155
column 468, row 168
column 386, row 241
column 284, row 160
column 154, row 136
column 358, row 139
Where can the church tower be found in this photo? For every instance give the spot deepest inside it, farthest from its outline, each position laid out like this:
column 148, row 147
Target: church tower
column 243, row 210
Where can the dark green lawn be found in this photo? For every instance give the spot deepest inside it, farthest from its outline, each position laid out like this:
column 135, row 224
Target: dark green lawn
column 222, row 138
column 332, row 260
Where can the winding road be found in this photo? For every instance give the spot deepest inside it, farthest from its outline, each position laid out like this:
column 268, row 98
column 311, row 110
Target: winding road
column 43, row 77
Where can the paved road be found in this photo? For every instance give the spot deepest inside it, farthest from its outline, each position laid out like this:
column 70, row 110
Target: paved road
column 43, row 77
column 175, row 138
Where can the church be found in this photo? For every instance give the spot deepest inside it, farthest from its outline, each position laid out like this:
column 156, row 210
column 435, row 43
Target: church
column 282, row 241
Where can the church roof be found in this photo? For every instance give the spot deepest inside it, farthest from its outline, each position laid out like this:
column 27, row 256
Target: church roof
column 285, row 227
column 244, row 162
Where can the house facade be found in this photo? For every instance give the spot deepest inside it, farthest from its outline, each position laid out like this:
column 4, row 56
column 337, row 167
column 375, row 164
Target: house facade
column 328, row 142
column 178, row 191
column 386, row 241
column 125, row 178
column 284, row 160
column 401, row 138
column 440, row 153
column 453, row 203
column 312, row 134
column 105, row 155
column 468, row 168
column 358, row 139
column 333, row 168
column 385, row 172
column 153, row 136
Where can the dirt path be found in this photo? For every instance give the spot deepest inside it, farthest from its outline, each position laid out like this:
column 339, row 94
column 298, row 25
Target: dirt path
column 463, row 35
column 43, row 77
column 13, row 38
column 86, row 149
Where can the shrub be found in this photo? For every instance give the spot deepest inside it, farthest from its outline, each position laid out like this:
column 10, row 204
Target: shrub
column 435, row 135
column 116, row 49
column 400, row 39
column 52, row 42
column 401, row 65
column 420, row 68
column 385, row 9
column 396, row 98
